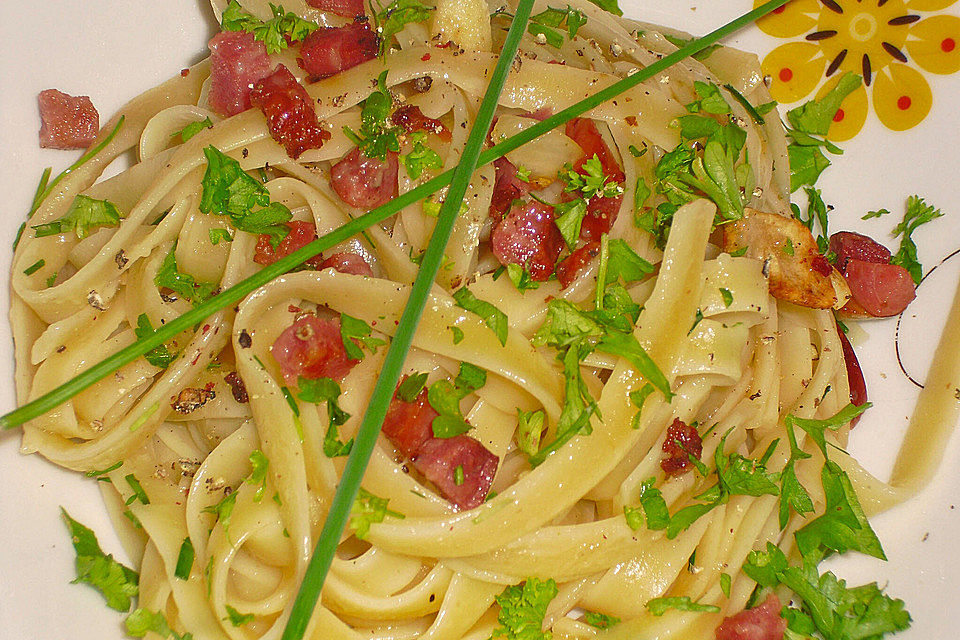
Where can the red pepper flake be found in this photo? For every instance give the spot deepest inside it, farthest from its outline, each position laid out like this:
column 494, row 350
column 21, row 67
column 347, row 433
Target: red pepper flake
column 184, row 72
column 294, row 309
column 425, row 57
column 682, row 441
column 631, row 120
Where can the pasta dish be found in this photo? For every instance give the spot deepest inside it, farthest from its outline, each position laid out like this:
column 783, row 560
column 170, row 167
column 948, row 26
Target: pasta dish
column 626, row 407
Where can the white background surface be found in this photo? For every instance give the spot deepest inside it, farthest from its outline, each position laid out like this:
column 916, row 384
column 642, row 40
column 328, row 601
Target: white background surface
column 113, row 50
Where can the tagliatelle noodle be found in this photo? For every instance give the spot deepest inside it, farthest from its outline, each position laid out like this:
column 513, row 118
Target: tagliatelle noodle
column 434, row 574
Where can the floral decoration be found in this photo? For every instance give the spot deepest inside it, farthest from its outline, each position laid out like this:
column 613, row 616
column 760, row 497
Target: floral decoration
column 881, row 40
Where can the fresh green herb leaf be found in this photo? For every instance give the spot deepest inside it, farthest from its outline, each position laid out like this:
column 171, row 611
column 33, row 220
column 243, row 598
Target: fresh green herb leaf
column 520, row 278
column 219, row 235
column 84, row 215
column 445, row 396
column 600, row 620
column 159, row 356
column 98, row 473
column 609, row 6
column 589, row 181
column 36, row 266
column 711, row 100
column 369, row 509
column 742, row 476
column 816, row 428
column 637, row 398
column 522, row 609
column 258, row 474
column 420, row 157
column 223, row 509
column 529, row 431
column 725, row 584
column 491, row 316
column 397, row 15
column 843, row 525
column 236, row 618
column 875, row 214
column 626, row 346
column 654, row 506
column 727, row 296
column 659, row 606
column 117, row 583
column 568, row 216
column 457, row 334
column 377, row 135
column 230, row 191
column 624, row 264
column 328, row 390
column 411, row 386
column 143, row 621
column 182, row 284
column 137, row 488
column 814, row 117
column 185, row 559
column 918, row 213
column 458, row 477
column 274, row 32
column 194, row 128
column 356, row 329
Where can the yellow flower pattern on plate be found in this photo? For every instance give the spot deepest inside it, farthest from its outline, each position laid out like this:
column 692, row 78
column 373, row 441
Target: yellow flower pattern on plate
column 881, row 40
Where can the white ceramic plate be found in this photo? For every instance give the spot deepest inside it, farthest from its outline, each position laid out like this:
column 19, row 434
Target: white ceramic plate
column 113, row 50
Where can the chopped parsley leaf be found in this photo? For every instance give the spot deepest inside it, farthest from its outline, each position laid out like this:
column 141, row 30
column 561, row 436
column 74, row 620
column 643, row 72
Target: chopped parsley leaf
column 118, row 584
column 327, row 390
column 194, row 128
column 185, row 559
column 236, row 618
column 522, row 609
column 659, row 606
column 369, row 509
column 274, row 32
column 491, row 316
column 918, row 213
column 84, row 215
column 356, row 329
column 159, row 356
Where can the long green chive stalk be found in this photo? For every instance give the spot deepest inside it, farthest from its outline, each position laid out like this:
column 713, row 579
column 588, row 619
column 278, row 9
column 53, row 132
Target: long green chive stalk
column 234, row 294
column 366, row 437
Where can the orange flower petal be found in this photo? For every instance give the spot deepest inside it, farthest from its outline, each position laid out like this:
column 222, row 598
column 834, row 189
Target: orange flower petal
column 790, row 20
column 937, row 45
column 929, row 5
column 901, row 97
column 852, row 113
column 794, row 69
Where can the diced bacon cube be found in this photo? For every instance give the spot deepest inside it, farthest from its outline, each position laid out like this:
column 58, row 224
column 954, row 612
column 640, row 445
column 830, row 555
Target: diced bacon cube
column 313, row 348
column 601, row 212
column 289, row 111
column 345, row 8
column 411, row 119
column 528, row 236
column 506, row 188
column 301, row 234
column 364, row 182
column 571, row 266
column 849, row 245
column 438, row 459
column 330, row 50
column 682, row 441
column 409, row 424
column 66, row 122
column 237, row 62
column 760, row 623
column 346, row 262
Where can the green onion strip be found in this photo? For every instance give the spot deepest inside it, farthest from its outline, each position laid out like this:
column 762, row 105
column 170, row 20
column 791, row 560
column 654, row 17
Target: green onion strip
column 366, row 437
column 234, row 294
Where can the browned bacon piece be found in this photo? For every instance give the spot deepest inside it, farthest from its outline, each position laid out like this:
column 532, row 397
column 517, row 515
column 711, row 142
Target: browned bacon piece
column 438, row 459
column 301, row 234
column 760, row 623
column 346, row 262
column 66, row 122
column 364, row 182
column 330, row 50
column 237, row 62
column 313, row 348
column 681, row 442
column 345, row 8
column 528, row 236
column 289, row 111
column 879, row 289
